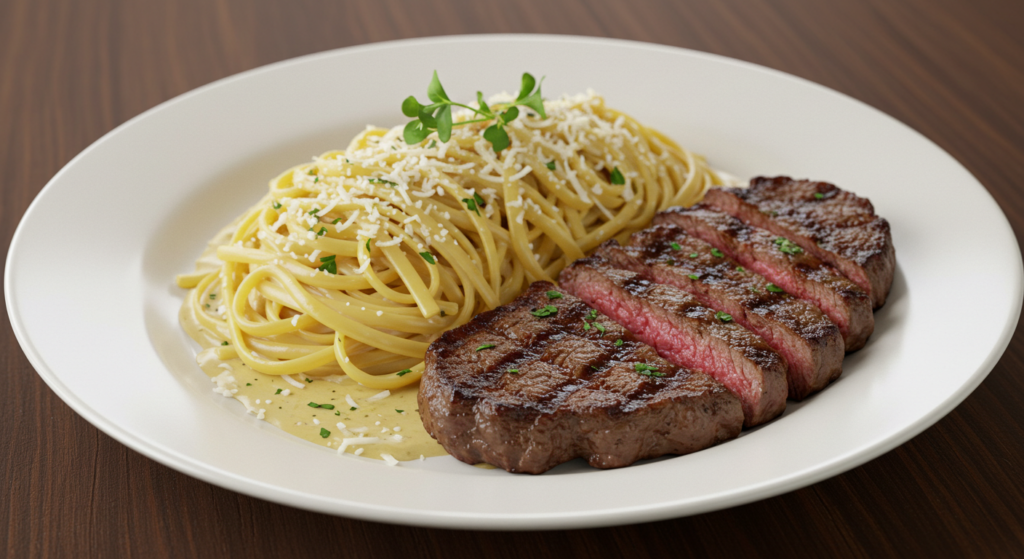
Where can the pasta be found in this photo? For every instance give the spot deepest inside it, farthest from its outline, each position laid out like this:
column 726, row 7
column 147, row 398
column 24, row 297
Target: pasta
column 354, row 262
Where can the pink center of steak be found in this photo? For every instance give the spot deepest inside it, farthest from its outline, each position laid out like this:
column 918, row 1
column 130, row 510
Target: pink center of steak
column 671, row 343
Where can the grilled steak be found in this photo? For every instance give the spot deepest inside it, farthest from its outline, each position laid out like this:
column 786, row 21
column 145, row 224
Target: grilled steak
column 686, row 333
column 837, row 226
column 785, row 264
column 528, row 386
column 810, row 342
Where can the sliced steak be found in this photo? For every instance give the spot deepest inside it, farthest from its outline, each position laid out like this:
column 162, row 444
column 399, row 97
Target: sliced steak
column 686, row 333
column 837, row 226
column 785, row 264
column 810, row 342
column 527, row 392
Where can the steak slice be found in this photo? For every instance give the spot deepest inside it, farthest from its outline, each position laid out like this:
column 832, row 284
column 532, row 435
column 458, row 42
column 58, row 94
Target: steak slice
column 787, row 265
column 837, row 226
column 686, row 333
column 527, row 392
column 810, row 342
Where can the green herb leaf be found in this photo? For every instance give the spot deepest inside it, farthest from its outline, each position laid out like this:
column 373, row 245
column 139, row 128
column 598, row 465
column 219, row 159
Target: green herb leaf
column 383, row 181
column 337, row 413
column 276, row 205
column 328, row 264
column 353, row 408
column 327, row 406
column 787, row 246
column 415, row 132
column 471, row 204
column 593, row 314
column 428, row 257
column 223, row 343
column 755, row 289
column 400, row 411
column 527, row 87
column 278, row 391
column 724, row 317
column 586, row 325
column 313, row 405
column 617, row 177
column 411, row 107
column 434, row 91
column 554, row 295
column 321, row 232
column 485, row 346
column 314, row 211
column 600, row 327
column 316, row 180
column 647, row 370
column 514, row 371
column 309, row 380
column 497, row 136
column 618, row 342
column 740, row 269
column 716, row 253
column 694, row 277
column 479, row 200
column 819, row 195
column 444, row 123
column 403, row 372
column 545, row 311
column 694, row 255
column 324, row 433
column 550, row 165
column 336, row 220
column 774, row 288
column 367, row 246
column 248, row 384
column 508, row 116
column 483, row 104
column 675, row 246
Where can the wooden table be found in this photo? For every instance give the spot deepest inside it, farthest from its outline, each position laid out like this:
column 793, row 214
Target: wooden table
column 72, row 71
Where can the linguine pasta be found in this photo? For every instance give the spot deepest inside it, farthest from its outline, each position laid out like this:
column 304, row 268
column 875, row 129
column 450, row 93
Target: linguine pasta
column 353, row 263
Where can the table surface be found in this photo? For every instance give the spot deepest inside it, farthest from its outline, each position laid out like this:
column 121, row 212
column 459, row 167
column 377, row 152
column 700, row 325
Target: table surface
column 72, row 71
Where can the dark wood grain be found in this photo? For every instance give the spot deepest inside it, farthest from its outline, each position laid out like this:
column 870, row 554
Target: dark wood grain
column 72, row 71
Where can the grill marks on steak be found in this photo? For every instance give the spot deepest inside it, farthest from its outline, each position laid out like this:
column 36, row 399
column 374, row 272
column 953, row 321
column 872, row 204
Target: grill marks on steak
column 801, row 274
column 837, row 226
column 550, row 390
column 686, row 333
column 810, row 342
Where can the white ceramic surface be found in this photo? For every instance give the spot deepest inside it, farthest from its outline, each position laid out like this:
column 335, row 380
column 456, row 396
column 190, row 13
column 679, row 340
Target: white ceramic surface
column 137, row 206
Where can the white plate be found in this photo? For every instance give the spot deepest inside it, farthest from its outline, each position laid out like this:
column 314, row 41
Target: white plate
column 89, row 280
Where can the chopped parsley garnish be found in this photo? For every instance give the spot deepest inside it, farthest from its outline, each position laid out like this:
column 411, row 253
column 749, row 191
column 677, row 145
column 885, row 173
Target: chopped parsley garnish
column 471, row 204
column 321, row 232
column 740, row 269
column 314, row 211
column 617, row 177
column 278, row 391
column 316, row 180
column 593, row 314
column 248, row 384
column 774, row 288
column 554, row 295
column 545, row 311
column 694, row 277
column 586, row 325
column 353, row 408
column 327, row 406
column 213, row 295
column 276, row 205
column 485, row 346
column 313, row 405
column 324, row 433
column 514, row 371
column 479, row 200
column 675, row 246
column 223, row 343
column 400, row 411
column 383, row 181
column 594, row 367
column 309, row 380
column 336, row 220
column 787, row 246
column 724, row 317
column 367, row 245
column 550, row 165
column 618, row 342
column 819, row 195
column 647, row 370
column 600, row 327
column 716, row 253
column 428, row 257
column 403, row 372
column 693, row 255
column 337, row 413
column 327, row 264
column 311, row 172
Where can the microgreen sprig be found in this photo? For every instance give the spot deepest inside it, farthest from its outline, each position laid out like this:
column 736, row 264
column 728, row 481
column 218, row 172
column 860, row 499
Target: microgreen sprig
column 438, row 115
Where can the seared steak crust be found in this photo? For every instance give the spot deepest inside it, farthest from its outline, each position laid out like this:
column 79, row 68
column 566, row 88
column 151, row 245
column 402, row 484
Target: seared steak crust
column 810, row 342
column 527, row 392
column 686, row 333
column 837, row 226
column 797, row 271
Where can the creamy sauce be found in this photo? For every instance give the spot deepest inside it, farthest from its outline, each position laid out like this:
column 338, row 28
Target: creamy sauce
column 394, row 419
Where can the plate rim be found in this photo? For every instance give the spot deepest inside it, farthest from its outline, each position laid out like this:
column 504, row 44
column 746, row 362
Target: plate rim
column 509, row 521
